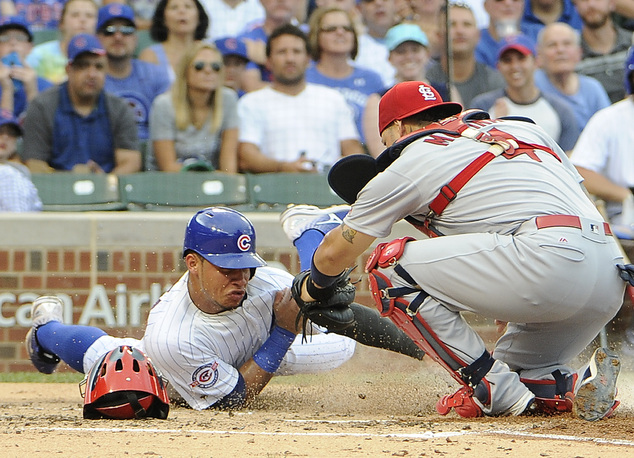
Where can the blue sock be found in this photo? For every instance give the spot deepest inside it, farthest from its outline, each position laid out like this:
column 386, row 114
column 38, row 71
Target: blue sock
column 306, row 245
column 69, row 342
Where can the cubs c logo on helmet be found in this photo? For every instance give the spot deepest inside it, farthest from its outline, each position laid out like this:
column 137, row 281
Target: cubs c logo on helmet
column 244, row 242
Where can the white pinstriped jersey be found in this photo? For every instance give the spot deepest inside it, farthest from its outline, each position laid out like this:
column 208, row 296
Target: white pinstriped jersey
column 200, row 353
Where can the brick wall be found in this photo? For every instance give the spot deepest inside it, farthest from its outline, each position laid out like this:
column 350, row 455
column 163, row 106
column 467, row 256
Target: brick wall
column 108, row 268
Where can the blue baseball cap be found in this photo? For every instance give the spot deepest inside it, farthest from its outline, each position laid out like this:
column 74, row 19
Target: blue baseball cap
column 401, row 33
column 231, row 46
column 84, row 43
column 520, row 43
column 7, row 118
column 15, row 22
column 114, row 11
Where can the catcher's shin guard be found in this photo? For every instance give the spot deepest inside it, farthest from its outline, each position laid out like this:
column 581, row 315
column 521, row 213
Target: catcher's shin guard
column 390, row 302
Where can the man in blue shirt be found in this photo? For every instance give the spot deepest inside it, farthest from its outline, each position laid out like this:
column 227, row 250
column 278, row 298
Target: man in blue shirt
column 77, row 126
column 539, row 13
column 136, row 81
column 18, row 82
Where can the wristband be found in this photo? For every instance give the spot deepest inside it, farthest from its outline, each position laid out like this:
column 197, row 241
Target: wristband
column 323, row 280
column 270, row 355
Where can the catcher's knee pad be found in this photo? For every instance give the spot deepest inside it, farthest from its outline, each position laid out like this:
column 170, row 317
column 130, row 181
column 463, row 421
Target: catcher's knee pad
column 552, row 396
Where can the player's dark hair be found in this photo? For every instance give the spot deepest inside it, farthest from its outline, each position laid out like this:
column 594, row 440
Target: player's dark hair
column 424, row 117
column 159, row 32
column 286, row 29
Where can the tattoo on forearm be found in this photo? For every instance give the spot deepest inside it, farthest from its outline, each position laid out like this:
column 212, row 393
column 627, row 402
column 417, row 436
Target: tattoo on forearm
column 348, row 233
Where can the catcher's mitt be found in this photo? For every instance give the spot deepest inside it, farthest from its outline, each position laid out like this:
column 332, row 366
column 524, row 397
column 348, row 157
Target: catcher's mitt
column 331, row 309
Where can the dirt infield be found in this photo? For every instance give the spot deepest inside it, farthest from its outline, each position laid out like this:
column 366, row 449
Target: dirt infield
column 378, row 405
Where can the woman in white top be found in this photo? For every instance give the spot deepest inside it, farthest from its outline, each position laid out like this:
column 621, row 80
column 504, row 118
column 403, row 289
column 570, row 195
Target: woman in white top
column 197, row 121
column 176, row 25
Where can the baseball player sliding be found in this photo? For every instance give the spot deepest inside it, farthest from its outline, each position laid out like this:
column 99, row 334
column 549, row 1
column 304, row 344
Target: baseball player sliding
column 222, row 331
column 513, row 237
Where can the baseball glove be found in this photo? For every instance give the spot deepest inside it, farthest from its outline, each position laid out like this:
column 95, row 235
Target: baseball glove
column 330, row 309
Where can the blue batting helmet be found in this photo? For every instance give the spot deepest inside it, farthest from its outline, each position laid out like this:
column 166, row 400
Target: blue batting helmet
column 224, row 237
column 629, row 68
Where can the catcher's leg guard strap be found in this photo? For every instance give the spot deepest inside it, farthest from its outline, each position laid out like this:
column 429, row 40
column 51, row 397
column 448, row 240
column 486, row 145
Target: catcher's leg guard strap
column 552, row 396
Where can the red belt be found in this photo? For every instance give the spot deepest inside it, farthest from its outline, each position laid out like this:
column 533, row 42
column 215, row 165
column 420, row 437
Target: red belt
column 543, row 222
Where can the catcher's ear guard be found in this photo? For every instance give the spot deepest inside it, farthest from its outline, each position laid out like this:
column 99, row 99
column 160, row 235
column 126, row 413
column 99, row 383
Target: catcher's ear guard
column 350, row 174
column 124, row 384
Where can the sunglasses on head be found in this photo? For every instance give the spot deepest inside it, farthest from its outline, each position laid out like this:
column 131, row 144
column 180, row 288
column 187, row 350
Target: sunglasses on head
column 200, row 66
column 124, row 29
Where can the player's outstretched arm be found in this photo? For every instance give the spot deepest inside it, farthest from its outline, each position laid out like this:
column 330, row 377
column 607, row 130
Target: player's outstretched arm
column 259, row 370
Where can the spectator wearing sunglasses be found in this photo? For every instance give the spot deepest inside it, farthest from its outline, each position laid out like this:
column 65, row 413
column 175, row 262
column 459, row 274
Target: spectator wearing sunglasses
column 77, row 126
column 49, row 59
column 334, row 44
column 19, row 83
column 136, row 81
column 195, row 125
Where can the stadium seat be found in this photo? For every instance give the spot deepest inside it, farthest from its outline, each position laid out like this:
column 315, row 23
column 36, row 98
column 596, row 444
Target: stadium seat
column 42, row 36
column 273, row 191
column 182, row 191
column 65, row 191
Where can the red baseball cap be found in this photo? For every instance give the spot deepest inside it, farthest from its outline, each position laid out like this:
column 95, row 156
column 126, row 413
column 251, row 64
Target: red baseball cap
column 412, row 97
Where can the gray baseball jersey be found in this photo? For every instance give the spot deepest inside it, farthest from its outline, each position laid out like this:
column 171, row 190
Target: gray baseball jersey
column 557, row 287
column 200, row 353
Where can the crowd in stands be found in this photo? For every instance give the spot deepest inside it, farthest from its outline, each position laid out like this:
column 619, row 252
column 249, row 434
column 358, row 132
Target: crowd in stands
column 253, row 86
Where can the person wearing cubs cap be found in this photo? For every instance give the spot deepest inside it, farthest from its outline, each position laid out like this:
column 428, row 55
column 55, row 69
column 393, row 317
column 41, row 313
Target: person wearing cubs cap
column 521, row 96
column 512, row 237
column 136, row 81
column 19, row 83
column 77, row 126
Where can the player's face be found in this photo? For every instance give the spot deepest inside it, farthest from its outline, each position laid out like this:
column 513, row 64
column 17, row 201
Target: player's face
column 336, row 34
column 215, row 289
column 86, row 75
column 504, row 10
column 516, row 69
column 559, row 51
column 15, row 40
column 595, row 13
column 118, row 45
column 80, row 17
column 288, row 60
column 205, row 72
column 391, row 133
column 181, row 16
column 409, row 60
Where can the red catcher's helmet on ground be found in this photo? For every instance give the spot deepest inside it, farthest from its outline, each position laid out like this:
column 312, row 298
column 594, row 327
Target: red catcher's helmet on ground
column 124, row 384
